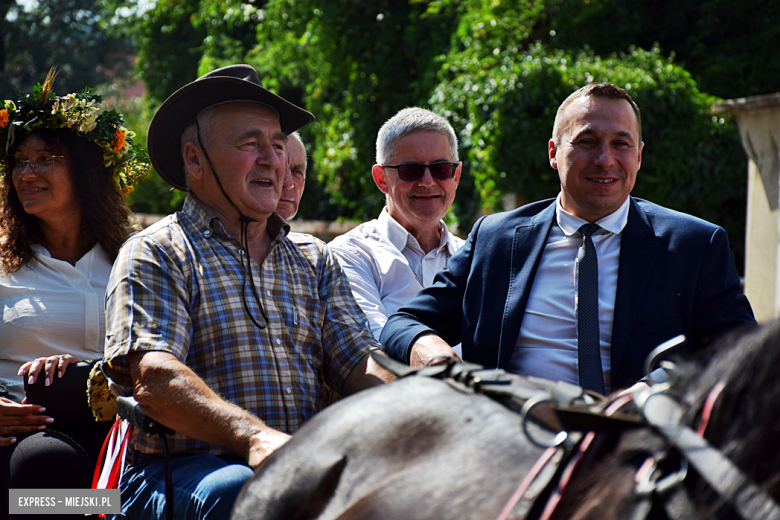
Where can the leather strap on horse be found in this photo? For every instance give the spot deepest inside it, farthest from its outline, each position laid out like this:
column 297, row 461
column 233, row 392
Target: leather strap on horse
column 566, row 404
column 663, row 412
column 575, row 411
column 536, row 484
column 654, row 487
column 495, row 383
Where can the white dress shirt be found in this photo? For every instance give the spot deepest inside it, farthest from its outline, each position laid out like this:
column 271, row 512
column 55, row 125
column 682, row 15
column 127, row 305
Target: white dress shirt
column 52, row 307
column 547, row 344
column 386, row 267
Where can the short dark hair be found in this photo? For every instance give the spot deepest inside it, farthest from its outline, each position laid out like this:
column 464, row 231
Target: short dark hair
column 597, row 90
column 105, row 217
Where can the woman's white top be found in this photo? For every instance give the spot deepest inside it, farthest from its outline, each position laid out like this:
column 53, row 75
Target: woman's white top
column 52, row 308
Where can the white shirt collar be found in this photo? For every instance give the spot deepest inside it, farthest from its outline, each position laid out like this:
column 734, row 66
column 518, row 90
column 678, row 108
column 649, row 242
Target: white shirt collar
column 400, row 237
column 82, row 263
column 612, row 223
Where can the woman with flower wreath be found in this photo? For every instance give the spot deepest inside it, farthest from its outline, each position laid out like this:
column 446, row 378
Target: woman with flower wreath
column 68, row 164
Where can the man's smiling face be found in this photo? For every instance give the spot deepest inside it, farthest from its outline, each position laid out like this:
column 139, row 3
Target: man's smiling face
column 418, row 204
column 597, row 157
column 247, row 148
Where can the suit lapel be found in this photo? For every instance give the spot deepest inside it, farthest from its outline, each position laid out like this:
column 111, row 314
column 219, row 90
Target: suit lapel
column 638, row 250
column 527, row 247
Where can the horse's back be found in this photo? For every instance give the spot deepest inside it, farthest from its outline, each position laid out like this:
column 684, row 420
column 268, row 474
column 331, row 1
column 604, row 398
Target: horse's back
column 416, row 448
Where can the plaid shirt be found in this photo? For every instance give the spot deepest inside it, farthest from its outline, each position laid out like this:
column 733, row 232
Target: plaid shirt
column 176, row 287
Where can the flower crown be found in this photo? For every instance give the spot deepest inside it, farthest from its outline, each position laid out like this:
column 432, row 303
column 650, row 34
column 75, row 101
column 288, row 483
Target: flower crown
column 85, row 115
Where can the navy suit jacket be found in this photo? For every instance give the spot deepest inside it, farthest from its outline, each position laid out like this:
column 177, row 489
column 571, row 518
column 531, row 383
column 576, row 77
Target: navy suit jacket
column 676, row 276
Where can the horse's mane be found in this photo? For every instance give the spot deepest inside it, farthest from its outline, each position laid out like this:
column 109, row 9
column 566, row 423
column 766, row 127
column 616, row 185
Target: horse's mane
column 743, row 425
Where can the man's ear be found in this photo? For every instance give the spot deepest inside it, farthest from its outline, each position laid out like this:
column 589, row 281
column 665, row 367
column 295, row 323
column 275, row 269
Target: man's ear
column 639, row 158
column 378, row 173
column 551, row 152
column 193, row 161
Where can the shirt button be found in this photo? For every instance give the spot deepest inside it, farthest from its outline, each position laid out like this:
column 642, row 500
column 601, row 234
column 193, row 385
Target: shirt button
column 268, row 293
column 207, row 233
column 288, row 390
column 278, row 341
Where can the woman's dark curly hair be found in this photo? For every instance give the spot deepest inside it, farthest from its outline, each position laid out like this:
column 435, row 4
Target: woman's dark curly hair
column 105, row 217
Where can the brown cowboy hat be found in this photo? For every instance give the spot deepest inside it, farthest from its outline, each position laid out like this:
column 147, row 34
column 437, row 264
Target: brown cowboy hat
column 232, row 83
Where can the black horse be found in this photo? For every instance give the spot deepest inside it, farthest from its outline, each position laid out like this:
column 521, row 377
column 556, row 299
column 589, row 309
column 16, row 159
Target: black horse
column 734, row 403
column 429, row 448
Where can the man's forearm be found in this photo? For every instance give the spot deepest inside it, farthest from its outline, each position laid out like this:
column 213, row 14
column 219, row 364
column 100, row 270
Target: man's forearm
column 366, row 374
column 429, row 348
column 172, row 394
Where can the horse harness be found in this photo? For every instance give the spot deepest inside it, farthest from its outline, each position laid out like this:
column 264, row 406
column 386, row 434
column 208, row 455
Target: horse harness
column 583, row 423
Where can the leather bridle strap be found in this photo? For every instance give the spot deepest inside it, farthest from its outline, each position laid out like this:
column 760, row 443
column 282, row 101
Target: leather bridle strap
column 664, row 490
column 542, row 474
column 574, row 464
column 709, row 404
column 748, row 500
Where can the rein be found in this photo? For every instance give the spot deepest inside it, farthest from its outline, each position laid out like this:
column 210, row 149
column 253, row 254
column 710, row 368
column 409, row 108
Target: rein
column 582, row 421
column 664, row 414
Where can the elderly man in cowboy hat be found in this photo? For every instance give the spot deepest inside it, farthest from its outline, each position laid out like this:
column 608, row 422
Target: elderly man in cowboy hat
column 222, row 326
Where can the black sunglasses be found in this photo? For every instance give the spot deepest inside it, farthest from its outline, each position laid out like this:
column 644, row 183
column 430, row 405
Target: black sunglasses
column 411, row 172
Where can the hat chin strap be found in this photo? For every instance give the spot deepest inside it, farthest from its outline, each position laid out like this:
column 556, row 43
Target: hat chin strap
column 245, row 221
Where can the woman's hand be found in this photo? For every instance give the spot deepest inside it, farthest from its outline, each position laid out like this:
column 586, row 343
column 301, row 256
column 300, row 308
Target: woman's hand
column 50, row 365
column 18, row 418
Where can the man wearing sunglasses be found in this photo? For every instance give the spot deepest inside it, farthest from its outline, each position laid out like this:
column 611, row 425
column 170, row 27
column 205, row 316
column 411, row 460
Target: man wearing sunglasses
column 389, row 259
column 582, row 287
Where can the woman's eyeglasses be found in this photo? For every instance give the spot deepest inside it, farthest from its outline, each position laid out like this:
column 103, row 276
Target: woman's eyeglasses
column 412, row 172
column 41, row 163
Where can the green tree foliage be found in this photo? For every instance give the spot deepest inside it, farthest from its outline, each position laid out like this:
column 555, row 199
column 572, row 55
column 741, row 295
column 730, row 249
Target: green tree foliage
column 169, row 43
column 70, row 34
column 505, row 109
column 152, row 194
column 497, row 70
column 353, row 65
column 314, row 53
column 501, row 84
column 66, row 33
column 727, row 46
column 231, row 29
column 177, row 40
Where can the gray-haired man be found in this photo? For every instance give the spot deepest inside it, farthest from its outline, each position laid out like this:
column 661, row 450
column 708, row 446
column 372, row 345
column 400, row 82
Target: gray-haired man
column 389, row 259
column 294, row 178
column 222, row 325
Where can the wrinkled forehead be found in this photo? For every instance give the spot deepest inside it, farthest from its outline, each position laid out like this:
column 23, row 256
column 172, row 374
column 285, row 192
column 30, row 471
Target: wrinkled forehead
column 590, row 114
column 233, row 116
column 296, row 154
column 424, row 146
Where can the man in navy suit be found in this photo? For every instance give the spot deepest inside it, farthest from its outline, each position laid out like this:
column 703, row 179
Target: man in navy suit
column 510, row 295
